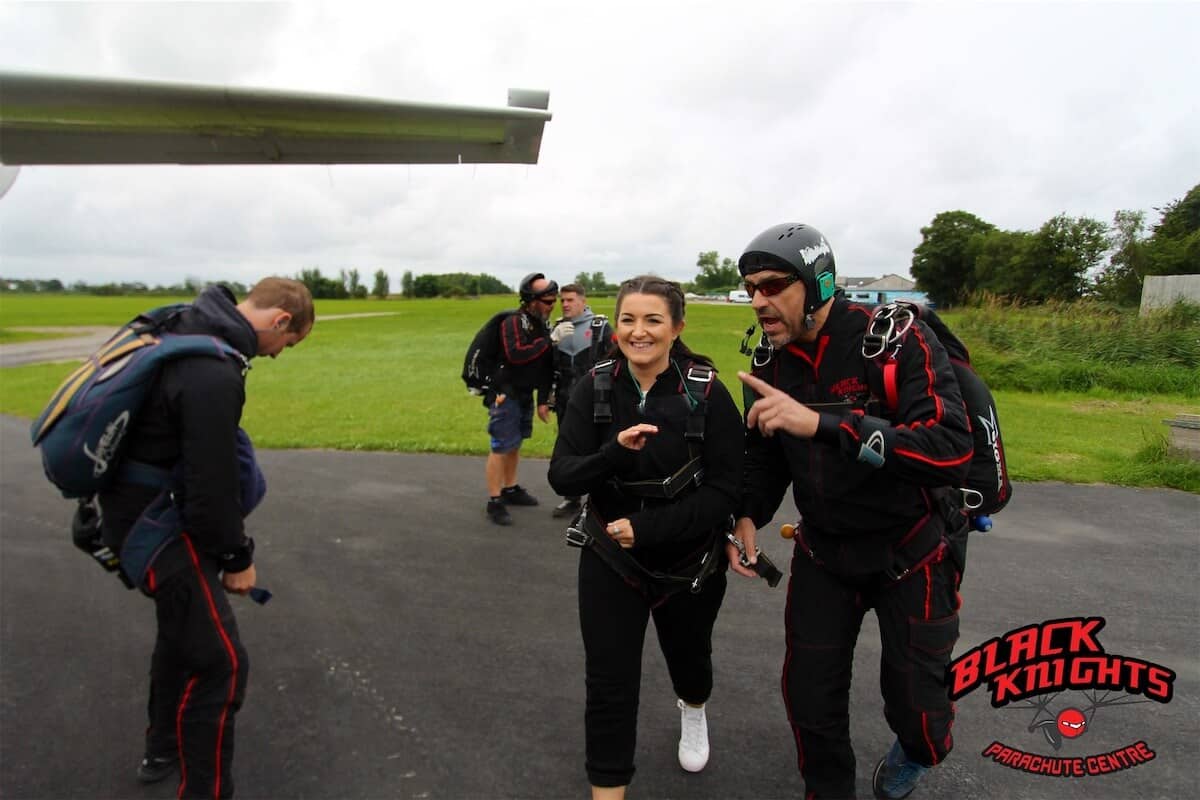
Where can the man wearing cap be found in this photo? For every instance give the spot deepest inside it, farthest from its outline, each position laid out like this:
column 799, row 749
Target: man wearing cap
column 870, row 487
column 526, row 362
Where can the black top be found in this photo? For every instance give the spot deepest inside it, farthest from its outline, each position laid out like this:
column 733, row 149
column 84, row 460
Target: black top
column 587, row 456
column 526, row 357
column 927, row 445
column 190, row 420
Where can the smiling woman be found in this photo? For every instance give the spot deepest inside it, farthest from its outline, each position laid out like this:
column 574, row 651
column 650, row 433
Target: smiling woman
column 645, row 335
column 639, row 433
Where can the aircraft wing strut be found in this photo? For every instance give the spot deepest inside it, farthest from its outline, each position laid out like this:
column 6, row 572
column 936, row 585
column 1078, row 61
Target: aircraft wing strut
column 47, row 119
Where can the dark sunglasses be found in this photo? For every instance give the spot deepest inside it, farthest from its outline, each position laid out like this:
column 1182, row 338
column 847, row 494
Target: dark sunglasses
column 772, row 287
column 548, row 299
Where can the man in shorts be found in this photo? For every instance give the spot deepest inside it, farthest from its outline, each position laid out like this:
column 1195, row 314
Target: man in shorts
column 526, row 366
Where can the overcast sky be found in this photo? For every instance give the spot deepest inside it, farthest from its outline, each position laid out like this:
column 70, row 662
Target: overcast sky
column 678, row 127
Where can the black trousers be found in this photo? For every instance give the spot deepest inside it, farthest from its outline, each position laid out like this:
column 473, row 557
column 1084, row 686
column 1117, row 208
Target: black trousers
column 918, row 626
column 613, row 618
column 197, row 673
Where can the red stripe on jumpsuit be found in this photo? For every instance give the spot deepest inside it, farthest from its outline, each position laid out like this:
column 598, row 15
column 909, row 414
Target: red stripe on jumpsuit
column 233, row 661
column 927, row 571
column 187, row 693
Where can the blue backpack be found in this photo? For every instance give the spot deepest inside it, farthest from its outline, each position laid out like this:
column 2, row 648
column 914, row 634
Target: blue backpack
column 81, row 432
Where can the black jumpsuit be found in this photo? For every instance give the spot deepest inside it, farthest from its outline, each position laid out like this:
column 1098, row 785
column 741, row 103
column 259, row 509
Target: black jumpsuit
column 862, row 527
column 199, row 668
column 612, row 614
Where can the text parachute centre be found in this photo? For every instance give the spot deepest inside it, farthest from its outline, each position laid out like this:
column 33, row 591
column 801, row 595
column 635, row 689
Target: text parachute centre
column 1102, row 764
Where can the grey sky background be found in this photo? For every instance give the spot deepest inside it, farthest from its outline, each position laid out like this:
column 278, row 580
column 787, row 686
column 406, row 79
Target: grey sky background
column 678, row 127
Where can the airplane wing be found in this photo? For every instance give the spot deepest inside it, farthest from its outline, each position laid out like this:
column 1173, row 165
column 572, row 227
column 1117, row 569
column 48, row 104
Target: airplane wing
column 49, row 119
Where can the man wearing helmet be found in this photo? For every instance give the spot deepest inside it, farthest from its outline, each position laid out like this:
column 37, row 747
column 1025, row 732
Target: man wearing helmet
column 873, row 527
column 526, row 365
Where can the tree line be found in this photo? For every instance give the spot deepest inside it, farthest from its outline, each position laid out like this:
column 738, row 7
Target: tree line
column 961, row 257
column 348, row 284
column 188, row 288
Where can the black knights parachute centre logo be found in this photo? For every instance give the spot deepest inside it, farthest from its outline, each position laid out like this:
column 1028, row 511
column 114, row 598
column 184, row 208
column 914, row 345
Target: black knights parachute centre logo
column 1031, row 666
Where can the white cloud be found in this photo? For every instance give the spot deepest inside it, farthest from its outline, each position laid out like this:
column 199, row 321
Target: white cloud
column 678, row 127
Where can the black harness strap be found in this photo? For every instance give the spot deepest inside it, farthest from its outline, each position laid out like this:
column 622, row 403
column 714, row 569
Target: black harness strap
column 690, row 474
column 588, row 530
column 695, row 387
column 602, row 392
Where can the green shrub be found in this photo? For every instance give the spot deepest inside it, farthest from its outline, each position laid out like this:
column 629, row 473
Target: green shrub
column 1154, row 465
column 1084, row 346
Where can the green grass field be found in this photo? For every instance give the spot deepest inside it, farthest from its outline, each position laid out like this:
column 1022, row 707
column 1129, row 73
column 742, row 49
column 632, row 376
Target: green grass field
column 392, row 383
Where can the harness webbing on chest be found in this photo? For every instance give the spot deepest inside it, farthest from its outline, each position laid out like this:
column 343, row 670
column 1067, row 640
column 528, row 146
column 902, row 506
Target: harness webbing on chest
column 765, row 367
column 887, row 328
column 589, row 531
column 697, row 380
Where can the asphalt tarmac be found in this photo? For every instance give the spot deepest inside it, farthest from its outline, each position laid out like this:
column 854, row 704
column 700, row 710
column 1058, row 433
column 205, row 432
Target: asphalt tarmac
column 413, row 650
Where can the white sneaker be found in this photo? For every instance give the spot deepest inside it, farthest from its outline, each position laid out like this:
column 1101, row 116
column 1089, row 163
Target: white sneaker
column 693, row 737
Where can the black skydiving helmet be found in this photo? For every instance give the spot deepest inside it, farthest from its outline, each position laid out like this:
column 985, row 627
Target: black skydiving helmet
column 797, row 248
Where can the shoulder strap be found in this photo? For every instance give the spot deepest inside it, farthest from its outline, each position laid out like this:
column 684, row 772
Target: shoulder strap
column 602, row 392
column 599, row 342
column 156, row 318
column 887, row 328
column 697, row 383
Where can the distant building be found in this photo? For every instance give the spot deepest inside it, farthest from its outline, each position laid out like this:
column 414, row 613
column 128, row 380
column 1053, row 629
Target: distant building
column 885, row 290
column 891, row 283
column 844, row 282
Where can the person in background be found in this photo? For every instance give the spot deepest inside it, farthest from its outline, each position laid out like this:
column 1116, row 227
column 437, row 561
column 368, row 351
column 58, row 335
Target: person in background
column 581, row 338
column 526, row 367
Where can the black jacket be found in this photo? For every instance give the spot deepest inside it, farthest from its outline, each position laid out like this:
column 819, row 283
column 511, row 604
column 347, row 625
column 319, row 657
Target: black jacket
column 526, row 357
column 927, row 445
column 190, row 420
column 587, row 455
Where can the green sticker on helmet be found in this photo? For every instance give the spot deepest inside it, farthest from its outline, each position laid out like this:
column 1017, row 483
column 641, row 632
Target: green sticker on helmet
column 826, row 286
